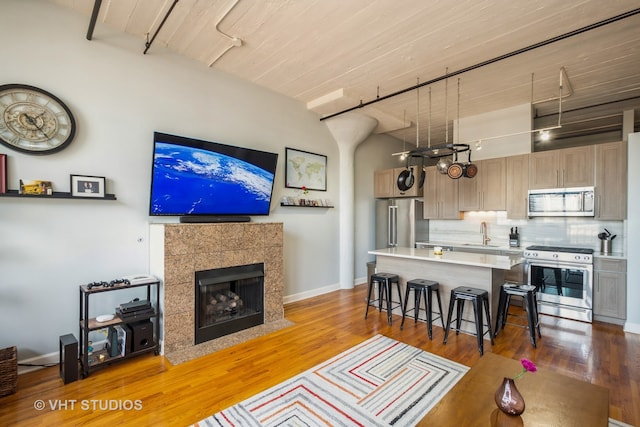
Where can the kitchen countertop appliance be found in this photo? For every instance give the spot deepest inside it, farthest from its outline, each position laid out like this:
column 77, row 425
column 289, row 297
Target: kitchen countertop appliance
column 563, row 277
column 562, row 202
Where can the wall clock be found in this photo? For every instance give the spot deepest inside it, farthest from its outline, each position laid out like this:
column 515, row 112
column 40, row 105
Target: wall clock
column 34, row 121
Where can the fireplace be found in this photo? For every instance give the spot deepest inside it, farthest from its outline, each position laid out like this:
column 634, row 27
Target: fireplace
column 228, row 300
column 178, row 251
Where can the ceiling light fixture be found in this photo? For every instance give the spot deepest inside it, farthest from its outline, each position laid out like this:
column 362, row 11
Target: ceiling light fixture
column 545, row 135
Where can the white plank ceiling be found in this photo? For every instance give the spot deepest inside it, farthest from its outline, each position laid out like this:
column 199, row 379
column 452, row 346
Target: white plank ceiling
column 332, row 55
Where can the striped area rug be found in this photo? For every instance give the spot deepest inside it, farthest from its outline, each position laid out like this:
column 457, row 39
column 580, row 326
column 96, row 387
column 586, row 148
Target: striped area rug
column 380, row 382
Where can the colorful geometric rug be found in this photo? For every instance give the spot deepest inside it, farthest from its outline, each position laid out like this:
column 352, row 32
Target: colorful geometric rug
column 380, row 382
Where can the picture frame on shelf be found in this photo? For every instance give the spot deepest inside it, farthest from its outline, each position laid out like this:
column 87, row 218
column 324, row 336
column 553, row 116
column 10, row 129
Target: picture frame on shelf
column 88, row 186
column 305, row 170
column 36, row 187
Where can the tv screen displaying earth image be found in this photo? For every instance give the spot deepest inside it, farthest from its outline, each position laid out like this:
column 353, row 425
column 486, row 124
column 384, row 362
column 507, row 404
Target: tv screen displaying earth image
column 192, row 177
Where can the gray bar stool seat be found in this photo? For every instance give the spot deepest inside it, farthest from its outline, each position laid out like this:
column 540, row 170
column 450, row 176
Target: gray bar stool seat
column 385, row 283
column 423, row 288
column 479, row 298
column 528, row 295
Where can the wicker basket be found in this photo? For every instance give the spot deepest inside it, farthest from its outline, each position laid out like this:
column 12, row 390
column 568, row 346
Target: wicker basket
column 8, row 370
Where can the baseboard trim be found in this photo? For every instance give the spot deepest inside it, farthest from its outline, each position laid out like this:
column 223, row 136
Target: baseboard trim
column 43, row 359
column 310, row 294
column 634, row 328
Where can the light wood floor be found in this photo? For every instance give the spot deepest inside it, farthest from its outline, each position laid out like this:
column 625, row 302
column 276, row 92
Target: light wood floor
column 148, row 390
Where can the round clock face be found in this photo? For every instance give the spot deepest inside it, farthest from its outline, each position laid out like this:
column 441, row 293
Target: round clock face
column 34, row 121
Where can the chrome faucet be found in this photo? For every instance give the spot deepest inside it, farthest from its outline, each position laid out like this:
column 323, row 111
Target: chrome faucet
column 483, row 229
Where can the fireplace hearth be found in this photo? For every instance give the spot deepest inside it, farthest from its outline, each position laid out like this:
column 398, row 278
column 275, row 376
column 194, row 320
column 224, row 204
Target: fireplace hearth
column 228, row 300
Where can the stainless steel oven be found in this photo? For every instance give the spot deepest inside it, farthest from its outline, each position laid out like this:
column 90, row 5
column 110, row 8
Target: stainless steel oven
column 563, row 278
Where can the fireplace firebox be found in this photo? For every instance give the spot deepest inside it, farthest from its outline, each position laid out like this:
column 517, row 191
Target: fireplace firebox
column 228, row 300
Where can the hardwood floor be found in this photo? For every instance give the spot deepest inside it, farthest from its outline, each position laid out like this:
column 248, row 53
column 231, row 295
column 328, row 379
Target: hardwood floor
column 148, row 390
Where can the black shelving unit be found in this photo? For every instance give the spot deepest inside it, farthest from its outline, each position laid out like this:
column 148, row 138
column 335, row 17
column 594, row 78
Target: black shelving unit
column 55, row 195
column 101, row 358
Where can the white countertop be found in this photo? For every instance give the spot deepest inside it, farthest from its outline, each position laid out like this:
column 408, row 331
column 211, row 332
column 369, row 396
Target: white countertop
column 462, row 246
column 502, row 262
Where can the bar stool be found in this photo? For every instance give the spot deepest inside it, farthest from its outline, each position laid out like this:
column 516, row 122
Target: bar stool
column 385, row 283
column 479, row 298
column 422, row 288
column 528, row 294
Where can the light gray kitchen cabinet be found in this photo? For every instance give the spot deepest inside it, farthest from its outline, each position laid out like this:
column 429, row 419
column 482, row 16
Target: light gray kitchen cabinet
column 440, row 196
column 566, row 168
column 610, row 290
column 611, row 181
column 487, row 191
column 517, row 186
column 385, row 183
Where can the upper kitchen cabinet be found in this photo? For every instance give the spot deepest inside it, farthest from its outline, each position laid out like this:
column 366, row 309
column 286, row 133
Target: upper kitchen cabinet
column 517, row 186
column 487, row 191
column 566, row 168
column 385, row 183
column 440, row 196
column 611, row 181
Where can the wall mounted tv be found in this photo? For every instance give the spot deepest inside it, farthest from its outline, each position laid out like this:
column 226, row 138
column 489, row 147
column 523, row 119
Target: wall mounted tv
column 201, row 180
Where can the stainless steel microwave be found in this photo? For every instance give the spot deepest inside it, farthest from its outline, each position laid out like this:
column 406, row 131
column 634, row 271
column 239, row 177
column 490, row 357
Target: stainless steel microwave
column 562, row 202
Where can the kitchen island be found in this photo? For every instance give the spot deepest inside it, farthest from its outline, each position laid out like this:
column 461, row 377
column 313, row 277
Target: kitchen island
column 451, row 269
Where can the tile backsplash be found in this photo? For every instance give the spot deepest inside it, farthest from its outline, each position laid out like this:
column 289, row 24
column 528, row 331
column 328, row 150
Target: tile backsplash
column 552, row 231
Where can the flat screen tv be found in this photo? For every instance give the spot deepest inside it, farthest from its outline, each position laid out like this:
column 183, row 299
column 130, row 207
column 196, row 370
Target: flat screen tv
column 192, row 178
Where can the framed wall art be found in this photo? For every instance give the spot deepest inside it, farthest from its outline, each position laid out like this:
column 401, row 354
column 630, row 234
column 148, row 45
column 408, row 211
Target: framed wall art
column 87, row 186
column 305, row 170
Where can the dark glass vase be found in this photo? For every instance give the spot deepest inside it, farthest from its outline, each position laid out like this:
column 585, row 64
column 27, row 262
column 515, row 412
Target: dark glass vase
column 508, row 398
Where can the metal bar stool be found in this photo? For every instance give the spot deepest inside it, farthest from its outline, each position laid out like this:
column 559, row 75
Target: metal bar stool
column 479, row 298
column 528, row 294
column 423, row 288
column 385, row 283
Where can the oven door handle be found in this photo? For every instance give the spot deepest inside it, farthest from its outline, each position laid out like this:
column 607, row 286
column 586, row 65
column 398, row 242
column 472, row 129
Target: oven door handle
column 556, row 264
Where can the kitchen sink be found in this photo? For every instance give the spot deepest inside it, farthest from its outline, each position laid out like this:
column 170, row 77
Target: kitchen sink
column 479, row 245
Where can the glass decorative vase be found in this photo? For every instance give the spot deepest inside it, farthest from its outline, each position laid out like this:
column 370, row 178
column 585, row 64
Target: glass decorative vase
column 508, row 398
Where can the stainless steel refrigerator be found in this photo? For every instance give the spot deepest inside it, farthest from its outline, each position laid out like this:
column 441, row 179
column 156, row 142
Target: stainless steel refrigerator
column 399, row 222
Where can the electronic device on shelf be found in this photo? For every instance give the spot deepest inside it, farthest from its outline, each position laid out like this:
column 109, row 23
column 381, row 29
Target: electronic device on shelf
column 104, row 318
column 135, row 315
column 135, row 305
column 140, row 279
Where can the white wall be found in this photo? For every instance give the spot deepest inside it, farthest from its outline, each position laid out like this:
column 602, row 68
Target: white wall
column 516, row 122
column 119, row 97
column 633, row 243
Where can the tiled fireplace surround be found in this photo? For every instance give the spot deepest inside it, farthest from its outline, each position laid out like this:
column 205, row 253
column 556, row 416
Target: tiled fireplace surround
column 179, row 250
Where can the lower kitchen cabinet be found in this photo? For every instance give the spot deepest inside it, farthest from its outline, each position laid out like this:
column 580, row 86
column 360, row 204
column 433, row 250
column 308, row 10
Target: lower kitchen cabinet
column 610, row 290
